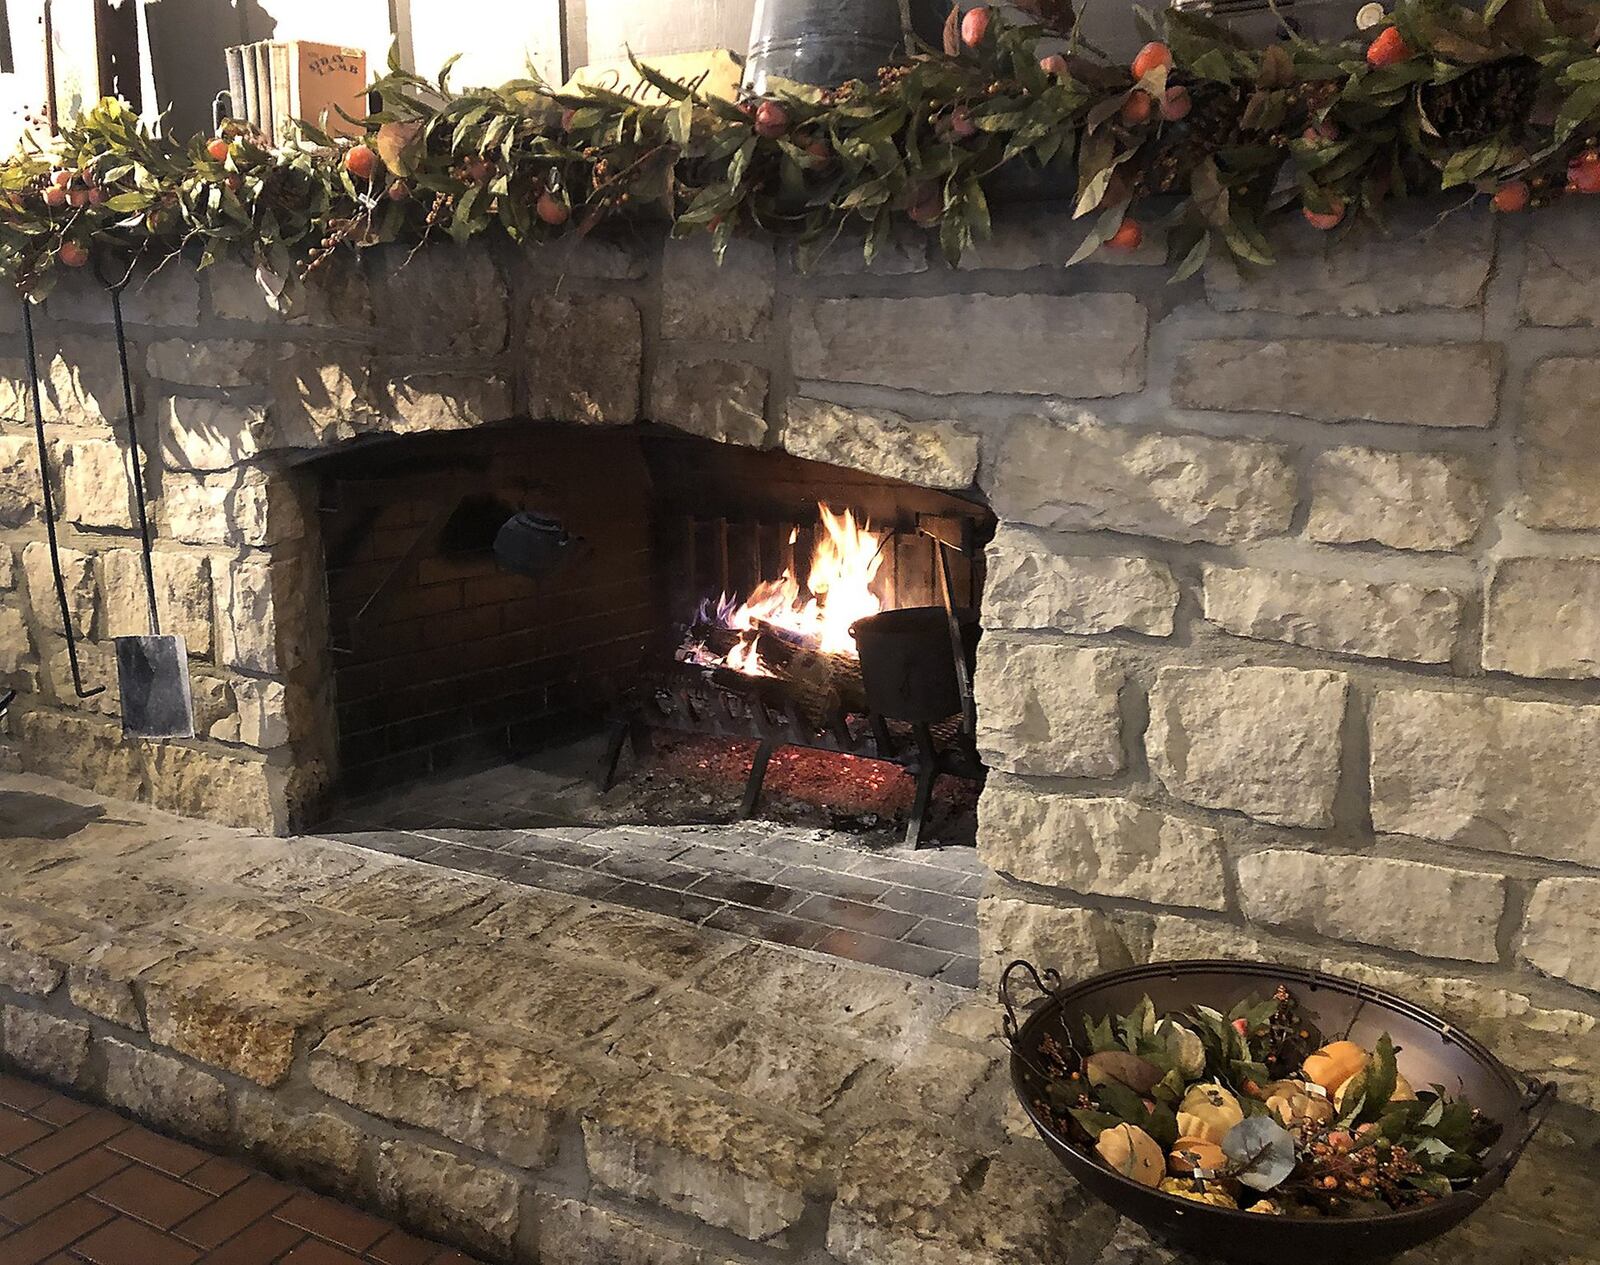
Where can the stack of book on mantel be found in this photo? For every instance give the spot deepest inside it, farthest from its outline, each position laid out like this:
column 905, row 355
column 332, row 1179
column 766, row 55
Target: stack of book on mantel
column 273, row 83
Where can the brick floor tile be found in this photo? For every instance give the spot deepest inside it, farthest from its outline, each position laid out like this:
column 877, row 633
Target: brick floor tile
column 894, row 954
column 747, row 891
column 11, row 1177
column 257, row 1244
column 316, row 1252
column 52, row 1232
column 77, row 1175
column 64, row 1144
column 58, row 1110
column 124, row 1242
column 399, row 1248
column 217, row 1176
column 940, row 905
column 961, row 971
column 155, row 1151
column 238, row 1208
column 451, row 1257
column 17, row 1131
column 331, row 1220
column 658, row 900
column 933, row 934
column 872, row 919
column 151, row 1197
column 766, row 925
column 21, row 1094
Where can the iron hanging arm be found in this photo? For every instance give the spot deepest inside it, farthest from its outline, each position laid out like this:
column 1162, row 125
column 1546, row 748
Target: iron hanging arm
column 115, row 287
column 50, row 510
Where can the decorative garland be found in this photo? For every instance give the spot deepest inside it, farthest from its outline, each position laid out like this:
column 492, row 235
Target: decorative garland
column 1502, row 101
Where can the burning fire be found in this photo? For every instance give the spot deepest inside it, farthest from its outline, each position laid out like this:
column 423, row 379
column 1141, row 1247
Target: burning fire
column 838, row 592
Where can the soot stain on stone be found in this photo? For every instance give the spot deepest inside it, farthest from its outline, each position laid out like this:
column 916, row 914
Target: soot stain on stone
column 25, row 815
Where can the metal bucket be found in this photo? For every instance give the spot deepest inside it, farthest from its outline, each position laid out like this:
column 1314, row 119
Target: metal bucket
column 1433, row 1052
column 907, row 667
column 827, row 42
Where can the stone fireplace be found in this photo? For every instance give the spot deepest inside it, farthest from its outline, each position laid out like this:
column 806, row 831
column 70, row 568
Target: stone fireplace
column 1288, row 647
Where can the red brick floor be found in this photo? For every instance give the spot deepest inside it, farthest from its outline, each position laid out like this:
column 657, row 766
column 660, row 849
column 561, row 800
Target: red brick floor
column 81, row 1184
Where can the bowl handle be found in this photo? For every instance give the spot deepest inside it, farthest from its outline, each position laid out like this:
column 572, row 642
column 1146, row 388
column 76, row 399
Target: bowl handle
column 1537, row 1100
column 1047, row 982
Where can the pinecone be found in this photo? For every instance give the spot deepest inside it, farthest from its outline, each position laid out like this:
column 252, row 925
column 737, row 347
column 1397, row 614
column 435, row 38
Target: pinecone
column 1484, row 100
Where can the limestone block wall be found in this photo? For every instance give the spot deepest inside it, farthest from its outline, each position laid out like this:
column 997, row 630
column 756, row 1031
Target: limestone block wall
column 1291, row 640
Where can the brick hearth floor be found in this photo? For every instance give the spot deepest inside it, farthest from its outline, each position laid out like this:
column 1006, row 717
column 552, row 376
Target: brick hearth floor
column 909, row 911
column 80, row 1185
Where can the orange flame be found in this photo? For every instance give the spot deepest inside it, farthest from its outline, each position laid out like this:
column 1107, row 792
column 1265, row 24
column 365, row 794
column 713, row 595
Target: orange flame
column 838, row 592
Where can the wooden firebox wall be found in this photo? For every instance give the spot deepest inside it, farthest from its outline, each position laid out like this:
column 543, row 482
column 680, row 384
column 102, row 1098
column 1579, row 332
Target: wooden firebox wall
column 439, row 656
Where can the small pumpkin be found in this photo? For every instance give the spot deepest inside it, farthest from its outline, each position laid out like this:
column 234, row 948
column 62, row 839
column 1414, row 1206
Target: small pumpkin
column 1189, row 1154
column 1132, row 1152
column 1183, row 1044
column 1208, row 1112
column 1294, row 1103
column 1334, row 1064
column 1266, row 1208
column 1352, row 1089
column 1186, row 1189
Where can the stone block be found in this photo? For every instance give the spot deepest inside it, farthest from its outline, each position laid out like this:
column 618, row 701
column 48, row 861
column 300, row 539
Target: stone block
column 507, row 1102
column 101, row 975
column 1562, row 267
column 77, row 571
column 19, row 480
column 908, row 1196
column 1177, row 938
column 422, row 402
column 214, row 362
column 1076, row 345
column 183, row 595
column 891, row 1014
column 315, row 1146
column 8, row 567
column 1558, row 462
column 1377, row 621
column 1077, row 942
column 16, row 643
column 1257, row 740
column 1561, row 933
column 85, row 752
column 203, row 434
column 194, row 782
column 596, row 256
column 727, row 302
column 1439, row 384
column 235, row 1010
column 43, row 1045
column 1034, row 583
column 1083, row 475
column 1493, row 773
column 681, row 1149
column 95, row 484
column 652, row 943
column 1035, row 239
column 1099, row 846
column 582, row 359
column 573, row 1232
column 930, row 454
column 336, row 298
column 29, row 962
column 97, row 665
column 1406, row 500
column 1394, row 904
column 263, row 713
column 80, row 383
column 448, row 1197
column 246, row 506
column 165, row 1091
column 1418, row 261
column 1541, row 617
column 449, row 302
column 716, row 399
column 321, row 396
column 1048, row 708
column 256, row 597
column 169, row 295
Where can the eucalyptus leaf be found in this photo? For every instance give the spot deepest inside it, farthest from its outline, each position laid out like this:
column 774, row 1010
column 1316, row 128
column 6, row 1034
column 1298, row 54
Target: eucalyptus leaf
column 1262, row 1151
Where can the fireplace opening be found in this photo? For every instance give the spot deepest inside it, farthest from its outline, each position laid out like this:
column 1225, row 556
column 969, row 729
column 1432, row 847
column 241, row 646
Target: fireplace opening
column 648, row 587
column 546, row 628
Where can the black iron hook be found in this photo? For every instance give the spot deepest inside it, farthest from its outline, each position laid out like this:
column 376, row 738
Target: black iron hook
column 50, row 509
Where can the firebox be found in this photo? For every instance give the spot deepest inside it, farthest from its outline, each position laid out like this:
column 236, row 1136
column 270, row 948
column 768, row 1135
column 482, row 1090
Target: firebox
column 652, row 590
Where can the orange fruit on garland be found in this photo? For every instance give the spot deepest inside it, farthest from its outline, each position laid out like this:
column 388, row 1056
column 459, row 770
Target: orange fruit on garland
column 73, row 254
column 1153, row 55
column 1136, row 109
column 1512, row 197
column 1389, row 49
column 552, row 210
column 1129, row 235
column 1324, row 220
column 974, row 26
column 362, row 162
column 217, row 149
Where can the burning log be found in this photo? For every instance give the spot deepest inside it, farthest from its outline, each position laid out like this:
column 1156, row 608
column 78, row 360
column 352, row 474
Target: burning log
column 821, row 684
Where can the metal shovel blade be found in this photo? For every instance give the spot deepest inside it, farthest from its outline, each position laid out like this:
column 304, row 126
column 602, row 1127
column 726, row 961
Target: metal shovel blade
column 153, row 673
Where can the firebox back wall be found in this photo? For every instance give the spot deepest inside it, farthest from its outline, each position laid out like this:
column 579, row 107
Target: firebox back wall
column 1290, row 640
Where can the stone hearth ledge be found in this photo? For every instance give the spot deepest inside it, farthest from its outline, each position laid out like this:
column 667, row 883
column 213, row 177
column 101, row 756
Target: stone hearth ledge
column 541, row 1078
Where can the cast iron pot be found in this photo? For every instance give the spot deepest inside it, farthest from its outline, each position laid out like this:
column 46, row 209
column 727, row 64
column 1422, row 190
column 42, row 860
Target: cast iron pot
column 908, row 664
column 1432, row 1052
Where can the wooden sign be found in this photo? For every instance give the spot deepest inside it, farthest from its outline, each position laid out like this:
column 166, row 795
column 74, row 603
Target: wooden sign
column 714, row 73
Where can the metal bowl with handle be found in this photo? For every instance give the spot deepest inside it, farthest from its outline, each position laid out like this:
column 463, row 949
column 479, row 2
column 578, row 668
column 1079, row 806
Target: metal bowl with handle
column 1431, row 1052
